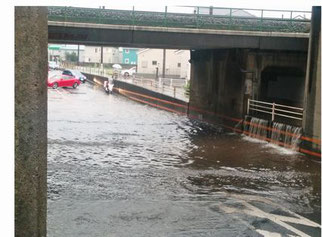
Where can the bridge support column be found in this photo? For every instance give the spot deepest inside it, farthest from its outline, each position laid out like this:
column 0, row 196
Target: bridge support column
column 312, row 98
column 217, row 83
column 31, row 69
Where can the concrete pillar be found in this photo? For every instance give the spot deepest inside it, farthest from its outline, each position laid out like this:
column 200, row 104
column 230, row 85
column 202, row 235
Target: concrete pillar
column 163, row 63
column 312, row 96
column 31, row 69
column 217, row 81
column 200, row 71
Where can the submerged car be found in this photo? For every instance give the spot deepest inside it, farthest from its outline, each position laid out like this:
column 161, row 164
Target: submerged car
column 75, row 73
column 63, row 81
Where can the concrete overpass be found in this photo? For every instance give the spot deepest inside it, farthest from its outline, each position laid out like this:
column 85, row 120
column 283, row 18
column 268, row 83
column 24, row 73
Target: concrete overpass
column 177, row 31
column 175, row 38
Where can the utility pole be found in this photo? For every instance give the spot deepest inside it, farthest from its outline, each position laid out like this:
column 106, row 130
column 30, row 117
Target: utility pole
column 78, row 55
column 102, row 57
column 163, row 67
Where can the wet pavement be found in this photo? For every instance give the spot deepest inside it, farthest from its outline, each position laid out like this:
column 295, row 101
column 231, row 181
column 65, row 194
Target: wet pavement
column 120, row 168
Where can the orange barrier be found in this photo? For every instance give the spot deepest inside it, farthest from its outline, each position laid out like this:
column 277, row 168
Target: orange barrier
column 317, row 141
column 302, row 150
column 155, row 105
column 153, row 98
column 312, row 153
column 313, row 140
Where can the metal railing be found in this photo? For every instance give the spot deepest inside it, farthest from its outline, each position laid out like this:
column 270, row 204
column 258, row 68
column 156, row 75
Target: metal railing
column 218, row 18
column 166, row 86
column 275, row 109
column 175, row 91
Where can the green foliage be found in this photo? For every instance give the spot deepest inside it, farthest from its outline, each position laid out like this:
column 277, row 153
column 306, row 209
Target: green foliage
column 71, row 57
column 187, row 88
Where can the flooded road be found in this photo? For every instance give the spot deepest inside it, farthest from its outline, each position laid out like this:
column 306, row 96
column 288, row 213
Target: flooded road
column 120, row 168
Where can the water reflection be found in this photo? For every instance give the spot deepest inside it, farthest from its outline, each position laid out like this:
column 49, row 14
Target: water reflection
column 118, row 167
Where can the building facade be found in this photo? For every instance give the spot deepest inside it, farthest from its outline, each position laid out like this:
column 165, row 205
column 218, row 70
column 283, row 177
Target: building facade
column 92, row 54
column 129, row 56
column 59, row 53
column 222, row 12
column 150, row 62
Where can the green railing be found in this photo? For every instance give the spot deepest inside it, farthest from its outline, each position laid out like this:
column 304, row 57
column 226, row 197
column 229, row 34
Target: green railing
column 220, row 19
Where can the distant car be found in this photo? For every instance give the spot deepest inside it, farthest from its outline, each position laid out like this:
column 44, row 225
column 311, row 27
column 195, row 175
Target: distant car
column 128, row 72
column 53, row 65
column 63, row 81
column 75, row 73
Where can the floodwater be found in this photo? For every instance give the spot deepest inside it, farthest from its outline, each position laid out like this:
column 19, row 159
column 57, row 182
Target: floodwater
column 120, row 168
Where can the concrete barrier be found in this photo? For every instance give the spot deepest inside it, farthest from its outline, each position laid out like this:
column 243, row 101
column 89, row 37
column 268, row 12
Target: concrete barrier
column 144, row 95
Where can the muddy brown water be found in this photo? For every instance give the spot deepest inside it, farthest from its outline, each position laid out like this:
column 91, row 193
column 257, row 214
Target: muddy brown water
column 120, row 168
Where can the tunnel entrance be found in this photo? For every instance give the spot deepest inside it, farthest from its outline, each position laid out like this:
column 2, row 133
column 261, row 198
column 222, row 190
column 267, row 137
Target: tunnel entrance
column 283, row 85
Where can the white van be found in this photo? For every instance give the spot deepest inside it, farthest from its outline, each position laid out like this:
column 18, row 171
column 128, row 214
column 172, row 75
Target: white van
column 53, row 65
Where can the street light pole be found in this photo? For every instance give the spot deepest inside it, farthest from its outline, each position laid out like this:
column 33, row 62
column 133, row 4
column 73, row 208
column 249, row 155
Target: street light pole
column 102, row 57
column 78, row 55
column 163, row 67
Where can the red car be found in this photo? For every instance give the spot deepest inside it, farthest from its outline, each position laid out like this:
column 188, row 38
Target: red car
column 63, row 81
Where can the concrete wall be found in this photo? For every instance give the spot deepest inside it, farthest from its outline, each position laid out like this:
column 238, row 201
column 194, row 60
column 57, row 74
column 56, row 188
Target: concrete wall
column 312, row 112
column 30, row 121
column 223, row 79
column 172, row 38
column 217, row 81
column 280, row 63
column 144, row 95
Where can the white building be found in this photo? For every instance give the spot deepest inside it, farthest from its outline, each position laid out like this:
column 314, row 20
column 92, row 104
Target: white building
column 176, row 65
column 57, row 52
column 222, row 11
column 92, row 54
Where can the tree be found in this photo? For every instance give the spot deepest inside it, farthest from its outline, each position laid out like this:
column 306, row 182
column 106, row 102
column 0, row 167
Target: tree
column 72, row 57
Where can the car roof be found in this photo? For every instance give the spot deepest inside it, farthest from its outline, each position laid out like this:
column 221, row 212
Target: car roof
column 77, row 72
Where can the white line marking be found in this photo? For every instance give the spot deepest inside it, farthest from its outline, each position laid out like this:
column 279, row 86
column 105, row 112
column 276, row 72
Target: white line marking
column 278, row 219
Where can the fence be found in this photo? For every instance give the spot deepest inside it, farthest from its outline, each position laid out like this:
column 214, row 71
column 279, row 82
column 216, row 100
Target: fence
column 161, row 85
column 275, row 109
column 214, row 18
column 168, row 86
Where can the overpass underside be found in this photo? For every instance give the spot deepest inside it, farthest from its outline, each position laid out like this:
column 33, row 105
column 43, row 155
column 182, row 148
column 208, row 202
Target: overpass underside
column 171, row 38
column 222, row 80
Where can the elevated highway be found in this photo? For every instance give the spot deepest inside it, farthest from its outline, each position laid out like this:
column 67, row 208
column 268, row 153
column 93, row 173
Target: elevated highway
column 180, row 31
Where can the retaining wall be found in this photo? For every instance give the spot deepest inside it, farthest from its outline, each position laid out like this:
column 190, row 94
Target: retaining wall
column 144, row 95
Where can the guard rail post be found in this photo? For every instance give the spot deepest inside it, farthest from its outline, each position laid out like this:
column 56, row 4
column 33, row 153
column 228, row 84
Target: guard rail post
column 198, row 18
column 230, row 20
column 273, row 112
column 291, row 20
column 165, row 16
column 262, row 15
column 133, row 21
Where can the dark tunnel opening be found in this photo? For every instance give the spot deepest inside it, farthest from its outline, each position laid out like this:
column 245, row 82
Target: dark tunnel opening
column 283, row 85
